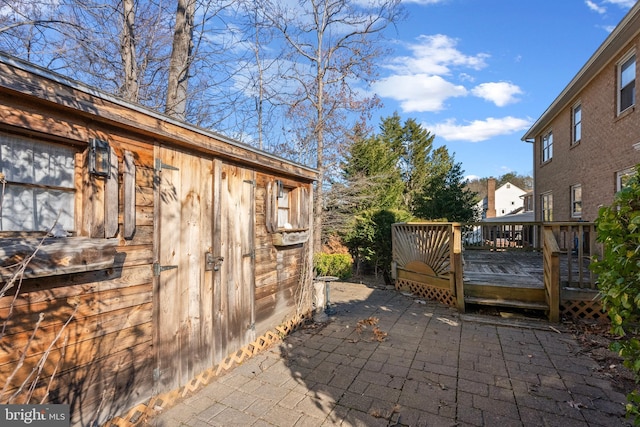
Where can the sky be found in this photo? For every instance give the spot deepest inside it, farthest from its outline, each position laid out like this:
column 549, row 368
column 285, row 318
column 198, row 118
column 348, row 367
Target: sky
column 478, row 73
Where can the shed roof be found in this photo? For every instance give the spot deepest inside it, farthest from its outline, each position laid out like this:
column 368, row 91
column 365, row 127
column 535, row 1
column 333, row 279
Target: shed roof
column 626, row 30
column 37, row 83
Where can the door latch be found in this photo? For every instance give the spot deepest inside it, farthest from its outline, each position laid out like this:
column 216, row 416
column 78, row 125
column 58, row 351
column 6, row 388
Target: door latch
column 212, row 263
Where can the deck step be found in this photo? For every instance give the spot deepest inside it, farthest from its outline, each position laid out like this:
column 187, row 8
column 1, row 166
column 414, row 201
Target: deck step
column 506, row 303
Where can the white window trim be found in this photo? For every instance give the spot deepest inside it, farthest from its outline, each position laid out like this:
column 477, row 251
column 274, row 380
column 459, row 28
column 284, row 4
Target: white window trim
column 622, row 173
column 547, row 136
column 574, row 212
column 619, row 80
column 542, row 206
column 575, row 140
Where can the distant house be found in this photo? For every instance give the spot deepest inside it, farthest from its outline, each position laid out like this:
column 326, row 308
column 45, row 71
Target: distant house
column 587, row 141
column 506, row 200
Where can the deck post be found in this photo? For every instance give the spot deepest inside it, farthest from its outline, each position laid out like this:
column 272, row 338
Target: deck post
column 456, row 262
column 551, row 253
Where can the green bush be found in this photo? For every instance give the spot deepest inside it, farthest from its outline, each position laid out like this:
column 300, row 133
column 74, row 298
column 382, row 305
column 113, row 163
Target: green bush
column 618, row 228
column 369, row 241
column 339, row 265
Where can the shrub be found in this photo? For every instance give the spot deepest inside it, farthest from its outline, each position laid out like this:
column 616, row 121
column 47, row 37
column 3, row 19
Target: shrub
column 370, row 239
column 618, row 228
column 339, row 265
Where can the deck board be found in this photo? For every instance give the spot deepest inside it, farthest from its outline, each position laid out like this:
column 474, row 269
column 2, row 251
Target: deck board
column 521, row 269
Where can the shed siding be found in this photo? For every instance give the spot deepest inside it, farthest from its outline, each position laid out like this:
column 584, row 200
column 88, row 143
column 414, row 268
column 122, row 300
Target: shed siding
column 113, row 354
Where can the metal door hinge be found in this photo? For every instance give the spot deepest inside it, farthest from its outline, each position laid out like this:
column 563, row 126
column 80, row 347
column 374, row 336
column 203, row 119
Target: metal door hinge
column 157, row 268
column 160, row 166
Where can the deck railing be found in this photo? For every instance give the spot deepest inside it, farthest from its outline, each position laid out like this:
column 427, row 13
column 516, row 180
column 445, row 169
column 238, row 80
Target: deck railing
column 502, row 235
column 433, row 251
column 576, row 243
column 551, row 269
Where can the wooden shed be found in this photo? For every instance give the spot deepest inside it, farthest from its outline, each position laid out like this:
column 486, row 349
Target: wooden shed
column 138, row 254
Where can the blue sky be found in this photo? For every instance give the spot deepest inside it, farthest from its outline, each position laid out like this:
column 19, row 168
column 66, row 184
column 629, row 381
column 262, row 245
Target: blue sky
column 478, row 73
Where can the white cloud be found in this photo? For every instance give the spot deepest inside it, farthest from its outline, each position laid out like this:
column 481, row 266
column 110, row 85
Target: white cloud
column 417, row 81
column 418, row 92
column 595, row 7
column 479, row 130
column 436, row 54
column 622, row 3
column 500, row 93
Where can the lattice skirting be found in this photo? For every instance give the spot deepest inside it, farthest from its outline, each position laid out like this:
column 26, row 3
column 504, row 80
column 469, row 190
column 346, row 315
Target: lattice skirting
column 135, row 416
column 425, row 291
column 581, row 309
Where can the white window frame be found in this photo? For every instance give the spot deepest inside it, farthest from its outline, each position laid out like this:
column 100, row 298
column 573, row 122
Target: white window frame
column 284, row 209
column 38, row 188
column 576, row 201
column 546, row 206
column 546, row 143
column 576, row 124
column 629, row 83
column 623, row 176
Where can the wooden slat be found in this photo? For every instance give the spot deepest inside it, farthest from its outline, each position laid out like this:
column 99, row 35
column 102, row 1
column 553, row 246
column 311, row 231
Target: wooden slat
column 111, row 198
column 55, row 256
column 170, row 299
column 435, row 281
column 129, row 195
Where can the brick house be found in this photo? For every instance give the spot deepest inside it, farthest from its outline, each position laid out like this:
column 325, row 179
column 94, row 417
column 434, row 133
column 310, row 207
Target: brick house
column 588, row 140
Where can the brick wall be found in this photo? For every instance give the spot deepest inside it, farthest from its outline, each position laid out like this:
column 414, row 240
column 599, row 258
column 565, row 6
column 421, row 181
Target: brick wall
column 606, row 146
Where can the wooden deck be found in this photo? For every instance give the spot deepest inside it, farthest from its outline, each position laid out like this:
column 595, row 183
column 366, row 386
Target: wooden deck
column 508, row 268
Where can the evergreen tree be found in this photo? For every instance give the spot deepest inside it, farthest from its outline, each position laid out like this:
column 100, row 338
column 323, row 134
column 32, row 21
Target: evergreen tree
column 445, row 195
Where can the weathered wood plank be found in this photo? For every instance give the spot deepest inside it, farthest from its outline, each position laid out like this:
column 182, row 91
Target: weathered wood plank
column 129, row 195
column 80, row 329
column 111, row 203
column 55, row 256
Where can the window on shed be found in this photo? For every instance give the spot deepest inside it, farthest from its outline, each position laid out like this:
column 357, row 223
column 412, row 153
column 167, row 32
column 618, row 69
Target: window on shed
column 287, row 208
column 576, row 128
column 576, row 201
column 627, row 83
column 284, row 209
column 547, row 147
column 38, row 189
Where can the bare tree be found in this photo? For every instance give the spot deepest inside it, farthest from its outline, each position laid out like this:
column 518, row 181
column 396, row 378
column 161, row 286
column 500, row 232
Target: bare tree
column 335, row 43
column 181, row 59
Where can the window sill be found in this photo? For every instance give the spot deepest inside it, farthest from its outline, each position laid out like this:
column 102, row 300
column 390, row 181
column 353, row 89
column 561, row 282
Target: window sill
column 289, row 237
column 55, row 256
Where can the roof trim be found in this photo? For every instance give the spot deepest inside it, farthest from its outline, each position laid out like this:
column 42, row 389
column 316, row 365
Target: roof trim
column 81, row 87
column 628, row 28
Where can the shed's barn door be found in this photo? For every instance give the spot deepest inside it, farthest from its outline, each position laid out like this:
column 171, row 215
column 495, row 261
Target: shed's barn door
column 184, row 304
column 234, row 241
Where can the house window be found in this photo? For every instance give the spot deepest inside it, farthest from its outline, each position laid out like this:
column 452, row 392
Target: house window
column 284, row 209
column 546, row 203
column 38, row 185
column 623, row 176
column 576, row 201
column 577, row 124
column 547, row 147
column 627, row 83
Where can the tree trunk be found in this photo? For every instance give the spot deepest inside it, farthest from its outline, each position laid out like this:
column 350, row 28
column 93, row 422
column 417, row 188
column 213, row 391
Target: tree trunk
column 128, row 51
column 181, row 57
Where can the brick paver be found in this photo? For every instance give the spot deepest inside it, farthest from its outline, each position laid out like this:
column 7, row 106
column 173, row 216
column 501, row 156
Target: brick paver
column 434, row 368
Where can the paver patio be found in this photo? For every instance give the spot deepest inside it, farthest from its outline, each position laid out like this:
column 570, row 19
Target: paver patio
column 434, row 368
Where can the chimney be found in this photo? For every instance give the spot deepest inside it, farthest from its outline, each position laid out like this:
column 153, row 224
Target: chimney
column 491, row 198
